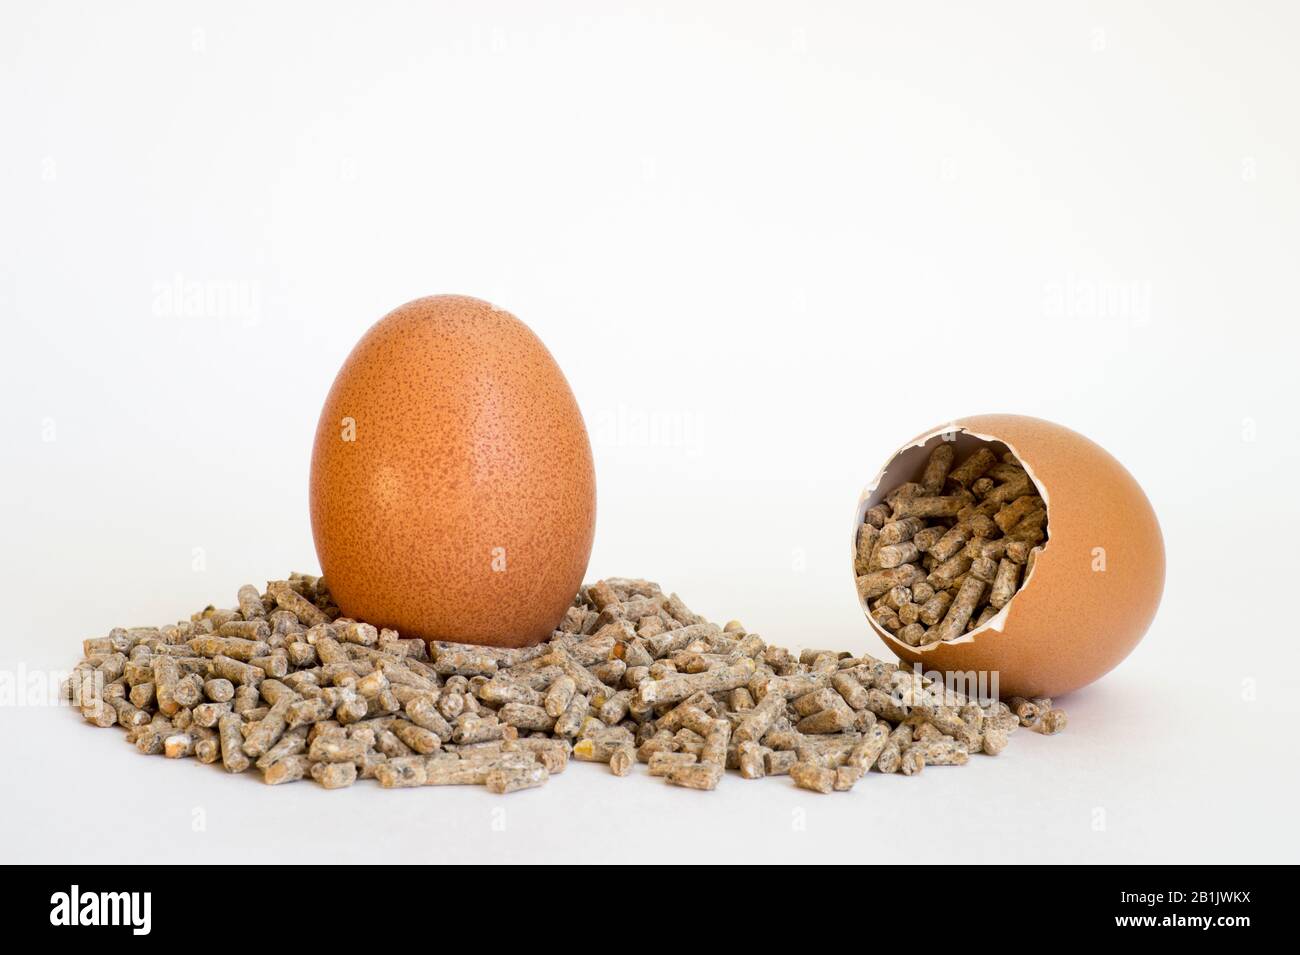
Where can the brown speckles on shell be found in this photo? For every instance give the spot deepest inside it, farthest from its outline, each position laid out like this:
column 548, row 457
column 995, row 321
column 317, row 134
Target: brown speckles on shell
column 466, row 439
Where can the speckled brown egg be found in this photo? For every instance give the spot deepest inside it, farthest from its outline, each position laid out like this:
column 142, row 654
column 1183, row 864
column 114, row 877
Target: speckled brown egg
column 1095, row 585
column 453, row 495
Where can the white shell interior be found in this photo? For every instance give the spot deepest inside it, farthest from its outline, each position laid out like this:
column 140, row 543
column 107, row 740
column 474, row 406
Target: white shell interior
column 907, row 464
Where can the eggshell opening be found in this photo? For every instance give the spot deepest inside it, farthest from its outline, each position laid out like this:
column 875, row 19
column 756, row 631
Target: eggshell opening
column 1095, row 585
column 907, row 464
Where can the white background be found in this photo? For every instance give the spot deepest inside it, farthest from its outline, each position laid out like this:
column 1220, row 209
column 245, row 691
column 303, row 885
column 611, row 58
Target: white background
column 767, row 243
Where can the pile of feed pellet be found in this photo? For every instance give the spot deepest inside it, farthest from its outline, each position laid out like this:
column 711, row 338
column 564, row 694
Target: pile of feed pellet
column 282, row 683
column 944, row 555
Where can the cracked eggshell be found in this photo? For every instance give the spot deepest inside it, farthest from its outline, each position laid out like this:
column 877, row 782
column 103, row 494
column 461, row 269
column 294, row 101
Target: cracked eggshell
column 1095, row 585
column 453, row 495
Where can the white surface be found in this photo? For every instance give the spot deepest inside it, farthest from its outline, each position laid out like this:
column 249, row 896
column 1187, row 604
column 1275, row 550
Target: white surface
column 766, row 245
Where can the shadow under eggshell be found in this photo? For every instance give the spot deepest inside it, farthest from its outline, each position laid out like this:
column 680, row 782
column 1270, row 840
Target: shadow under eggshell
column 1095, row 585
column 462, row 506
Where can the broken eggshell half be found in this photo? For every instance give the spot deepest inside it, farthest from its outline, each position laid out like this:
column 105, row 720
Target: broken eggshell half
column 1095, row 585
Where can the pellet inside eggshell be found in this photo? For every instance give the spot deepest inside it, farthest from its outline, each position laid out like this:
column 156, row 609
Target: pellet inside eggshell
column 957, row 516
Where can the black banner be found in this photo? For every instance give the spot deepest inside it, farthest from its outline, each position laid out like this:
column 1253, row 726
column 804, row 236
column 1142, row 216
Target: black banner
column 1065, row 902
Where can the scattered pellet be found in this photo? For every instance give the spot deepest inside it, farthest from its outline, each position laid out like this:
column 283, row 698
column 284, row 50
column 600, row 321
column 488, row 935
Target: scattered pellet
column 418, row 738
column 814, row 777
column 179, row 745
column 994, row 738
column 232, row 743
column 623, row 758
column 696, row 775
column 711, row 681
column 749, row 760
column 891, row 756
column 292, row 743
column 941, row 752
column 250, row 602
column 661, row 762
column 779, row 762
column 512, row 779
column 268, row 730
column 1050, row 722
column 402, row 772
column 846, row 777
column 334, row 775
column 288, row 599
column 287, row 770
column 640, row 677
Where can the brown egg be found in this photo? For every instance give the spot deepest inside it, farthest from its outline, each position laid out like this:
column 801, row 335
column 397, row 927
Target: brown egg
column 453, row 495
column 1095, row 585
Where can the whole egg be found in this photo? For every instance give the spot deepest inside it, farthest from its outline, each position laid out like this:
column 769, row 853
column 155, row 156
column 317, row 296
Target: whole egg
column 453, row 495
